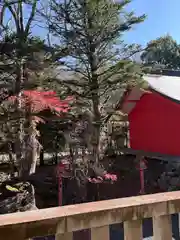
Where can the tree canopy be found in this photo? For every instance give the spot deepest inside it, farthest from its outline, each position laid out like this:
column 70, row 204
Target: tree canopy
column 89, row 35
column 97, row 54
column 164, row 51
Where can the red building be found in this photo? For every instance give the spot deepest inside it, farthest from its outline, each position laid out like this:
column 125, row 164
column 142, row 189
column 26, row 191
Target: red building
column 154, row 115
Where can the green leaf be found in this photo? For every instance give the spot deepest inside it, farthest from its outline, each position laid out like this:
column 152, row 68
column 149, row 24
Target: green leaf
column 12, row 189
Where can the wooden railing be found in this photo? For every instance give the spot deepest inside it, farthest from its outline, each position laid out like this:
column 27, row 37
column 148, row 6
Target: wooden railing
column 97, row 216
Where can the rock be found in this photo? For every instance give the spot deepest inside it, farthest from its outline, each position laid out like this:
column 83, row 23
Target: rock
column 17, row 201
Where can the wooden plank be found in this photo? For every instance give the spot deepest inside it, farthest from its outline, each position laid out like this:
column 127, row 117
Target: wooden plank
column 88, row 215
column 133, row 230
column 162, row 228
column 15, row 234
column 65, row 236
column 100, row 233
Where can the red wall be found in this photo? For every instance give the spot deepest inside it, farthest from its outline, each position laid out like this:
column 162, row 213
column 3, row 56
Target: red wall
column 155, row 125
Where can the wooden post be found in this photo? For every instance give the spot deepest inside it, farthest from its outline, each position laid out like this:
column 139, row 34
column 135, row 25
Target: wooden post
column 100, row 233
column 162, row 228
column 65, row 236
column 133, row 230
column 141, row 165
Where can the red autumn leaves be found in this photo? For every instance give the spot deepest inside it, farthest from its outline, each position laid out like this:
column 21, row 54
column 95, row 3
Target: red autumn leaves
column 39, row 101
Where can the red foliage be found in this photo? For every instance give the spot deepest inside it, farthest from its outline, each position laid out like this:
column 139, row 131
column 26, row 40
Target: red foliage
column 39, row 101
column 63, row 170
column 106, row 177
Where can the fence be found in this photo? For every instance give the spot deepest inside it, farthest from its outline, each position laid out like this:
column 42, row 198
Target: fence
column 97, row 216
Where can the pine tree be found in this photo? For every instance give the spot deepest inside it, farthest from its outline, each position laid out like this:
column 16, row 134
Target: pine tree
column 93, row 31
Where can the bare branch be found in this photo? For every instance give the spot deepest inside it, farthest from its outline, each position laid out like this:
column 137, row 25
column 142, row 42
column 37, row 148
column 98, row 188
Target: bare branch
column 31, row 18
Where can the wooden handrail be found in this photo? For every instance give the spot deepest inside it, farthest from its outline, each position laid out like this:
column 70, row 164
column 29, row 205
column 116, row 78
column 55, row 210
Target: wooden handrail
column 67, row 219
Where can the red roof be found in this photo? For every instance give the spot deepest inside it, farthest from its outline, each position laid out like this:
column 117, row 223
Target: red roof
column 153, row 122
column 131, row 98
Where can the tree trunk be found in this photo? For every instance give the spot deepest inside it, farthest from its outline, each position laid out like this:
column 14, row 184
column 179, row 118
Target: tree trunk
column 103, row 141
column 34, row 150
column 12, row 159
column 95, row 104
column 94, row 88
column 33, row 147
column 20, row 144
